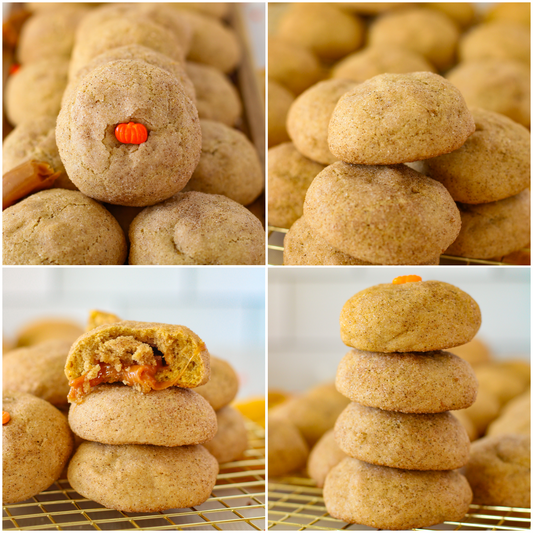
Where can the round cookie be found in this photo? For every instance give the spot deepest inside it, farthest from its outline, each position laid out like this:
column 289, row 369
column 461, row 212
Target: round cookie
column 195, row 228
column 44, row 329
column 23, row 103
column 323, row 457
column 423, row 30
column 484, row 410
column 222, row 386
column 475, row 352
column 375, row 60
column 229, row 164
column 129, row 174
column 231, row 439
column 402, row 440
column 464, row 14
column 431, row 382
column 287, row 449
column 280, row 100
column 289, row 176
column 499, row 470
column 515, row 417
column 309, row 116
column 420, row 316
column 511, row 11
column 36, row 445
column 495, row 229
column 467, row 423
column 219, row 10
column 399, row 118
column 39, row 370
column 390, row 498
column 168, row 417
column 502, row 382
column 216, row 97
column 72, row 230
column 143, row 479
column 382, row 214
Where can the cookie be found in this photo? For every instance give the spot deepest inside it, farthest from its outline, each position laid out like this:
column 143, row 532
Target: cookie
column 287, row 449
column 218, row 10
column 419, row 316
column 475, row 352
column 381, row 214
column 143, row 479
column 99, row 318
column 231, row 440
column 431, row 382
column 398, row 118
column 280, row 100
column 499, row 470
column 511, row 11
column 216, row 97
column 44, row 329
column 515, row 417
column 502, row 382
column 222, row 386
column 109, row 170
column 229, row 164
column 36, row 445
column 355, row 492
column 145, row 355
column 464, row 14
column 467, row 423
column 195, row 228
column 402, row 440
column 493, row 164
column 72, row 230
column 309, row 116
column 323, row 457
column 169, row 417
column 289, row 175
column 38, row 370
column 484, row 410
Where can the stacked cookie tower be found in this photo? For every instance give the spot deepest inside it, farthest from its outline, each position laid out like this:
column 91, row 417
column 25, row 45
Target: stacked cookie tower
column 403, row 444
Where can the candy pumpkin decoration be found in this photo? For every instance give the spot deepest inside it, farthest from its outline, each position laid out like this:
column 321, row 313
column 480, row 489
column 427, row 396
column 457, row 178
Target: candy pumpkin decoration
column 131, row 133
column 406, row 279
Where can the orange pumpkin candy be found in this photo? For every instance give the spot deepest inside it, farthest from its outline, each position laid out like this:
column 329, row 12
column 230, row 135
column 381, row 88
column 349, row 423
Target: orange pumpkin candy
column 131, row 133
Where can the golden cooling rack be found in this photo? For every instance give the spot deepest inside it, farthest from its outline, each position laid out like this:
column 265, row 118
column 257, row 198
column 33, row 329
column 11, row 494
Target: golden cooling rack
column 275, row 253
column 296, row 504
column 236, row 503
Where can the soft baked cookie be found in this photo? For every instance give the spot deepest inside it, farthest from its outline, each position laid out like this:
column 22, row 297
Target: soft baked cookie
column 402, row 440
column 495, row 229
column 512, row 11
column 231, row 439
column 109, row 170
column 382, row 214
column 323, row 457
column 499, row 470
column 194, row 228
column 280, row 100
column 36, row 445
column 229, row 164
column 39, row 370
column 500, row 381
column 61, row 227
column 467, row 423
column 419, row 316
column 431, row 382
column 99, row 318
column 44, row 329
column 484, row 410
column 219, row 10
column 354, row 492
column 222, row 386
column 137, row 478
column 515, row 417
column 309, row 116
column 475, row 352
column 216, row 97
column 493, row 164
column 289, row 175
column 145, row 355
column 23, row 103
column 116, row 414
column 398, row 118
column 464, row 14
column 287, row 449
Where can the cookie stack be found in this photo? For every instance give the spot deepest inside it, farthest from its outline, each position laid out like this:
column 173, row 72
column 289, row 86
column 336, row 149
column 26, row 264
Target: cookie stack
column 403, row 444
column 130, row 388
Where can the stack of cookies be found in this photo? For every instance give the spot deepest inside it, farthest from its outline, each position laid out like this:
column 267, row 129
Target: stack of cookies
column 403, row 444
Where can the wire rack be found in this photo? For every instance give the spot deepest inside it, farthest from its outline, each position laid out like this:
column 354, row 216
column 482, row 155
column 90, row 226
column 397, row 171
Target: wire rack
column 236, row 503
column 275, row 253
column 297, row 504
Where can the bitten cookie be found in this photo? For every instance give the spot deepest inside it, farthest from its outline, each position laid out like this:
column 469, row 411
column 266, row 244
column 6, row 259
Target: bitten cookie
column 419, row 316
column 398, row 118
column 287, row 449
column 323, row 457
column 354, row 492
column 36, row 445
column 135, row 478
column 431, row 382
column 222, row 386
column 231, row 439
column 402, row 440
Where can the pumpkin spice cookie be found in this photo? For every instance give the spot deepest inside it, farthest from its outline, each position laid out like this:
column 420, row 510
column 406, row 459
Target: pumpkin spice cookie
column 323, row 457
column 44, row 329
column 61, row 227
column 222, row 386
column 382, row 214
column 280, row 100
column 399, row 118
column 287, row 449
column 142, row 479
column 231, row 439
column 118, row 150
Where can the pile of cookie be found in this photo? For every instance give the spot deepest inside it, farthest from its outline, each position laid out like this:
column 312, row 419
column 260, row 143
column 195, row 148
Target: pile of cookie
column 403, row 445
column 135, row 110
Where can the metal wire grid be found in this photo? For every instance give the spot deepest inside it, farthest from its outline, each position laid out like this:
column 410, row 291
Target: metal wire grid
column 236, row 503
column 275, row 251
column 297, row 504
